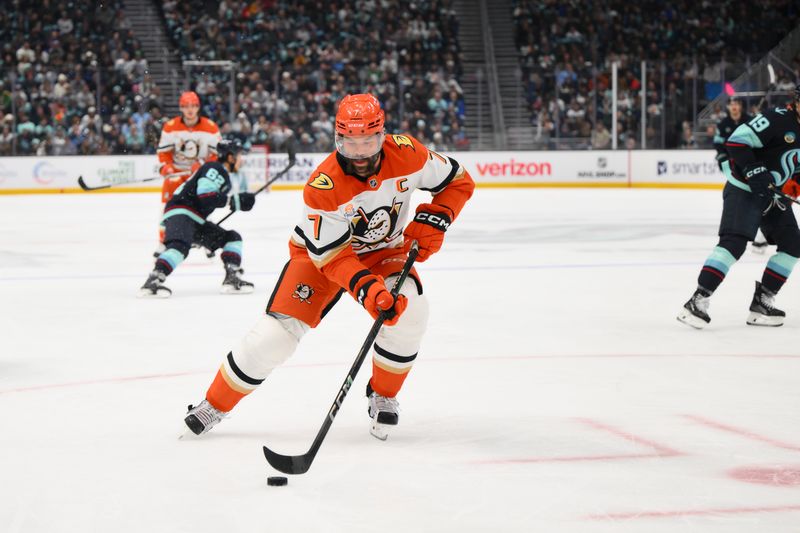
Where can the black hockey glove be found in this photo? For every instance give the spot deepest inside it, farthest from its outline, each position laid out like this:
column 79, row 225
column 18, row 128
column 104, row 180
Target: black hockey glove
column 759, row 179
column 721, row 158
column 244, row 201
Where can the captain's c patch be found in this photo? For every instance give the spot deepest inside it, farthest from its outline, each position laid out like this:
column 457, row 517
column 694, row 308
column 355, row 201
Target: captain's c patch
column 323, row 182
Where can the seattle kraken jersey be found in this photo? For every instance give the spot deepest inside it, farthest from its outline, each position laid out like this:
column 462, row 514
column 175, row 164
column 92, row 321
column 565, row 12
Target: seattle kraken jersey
column 202, row 193
column 724, row 128
column 771, row 138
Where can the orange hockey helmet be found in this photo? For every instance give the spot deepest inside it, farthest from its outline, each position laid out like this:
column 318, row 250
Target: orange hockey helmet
column 189, row 98
column 360, row 132
column 359, row 114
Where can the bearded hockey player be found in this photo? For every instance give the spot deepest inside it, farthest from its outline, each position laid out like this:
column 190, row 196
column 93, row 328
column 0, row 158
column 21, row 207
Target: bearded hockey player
column 764, row 157
column 350, row 238
column 187, row 141
column 185, row 222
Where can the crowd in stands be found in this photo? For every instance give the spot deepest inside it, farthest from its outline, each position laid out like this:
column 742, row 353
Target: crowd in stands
column 567, row 48
column 297, row 59
column 73, row 80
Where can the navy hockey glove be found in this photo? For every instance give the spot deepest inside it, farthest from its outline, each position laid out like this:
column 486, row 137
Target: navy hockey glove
column 244, row 201
column 759, row 179
column 721, row 158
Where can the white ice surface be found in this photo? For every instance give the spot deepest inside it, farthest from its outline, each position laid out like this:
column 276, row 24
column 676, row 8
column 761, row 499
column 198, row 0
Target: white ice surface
column 555, row 391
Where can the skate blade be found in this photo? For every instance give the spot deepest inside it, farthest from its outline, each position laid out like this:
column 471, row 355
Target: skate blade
column 690, row 320
column 160, row 293
column 226, row 289
column 757, row 319
column 380, row 431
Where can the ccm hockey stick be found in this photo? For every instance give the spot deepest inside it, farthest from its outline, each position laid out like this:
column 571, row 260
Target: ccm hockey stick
column 299, row 464
column 292, row 160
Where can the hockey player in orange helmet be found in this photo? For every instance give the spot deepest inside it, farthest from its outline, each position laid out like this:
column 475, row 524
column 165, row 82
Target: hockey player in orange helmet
column 352, row 237
column 187, row 141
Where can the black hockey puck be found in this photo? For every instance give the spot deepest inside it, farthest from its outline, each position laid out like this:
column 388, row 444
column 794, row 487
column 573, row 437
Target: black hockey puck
column 277, row 481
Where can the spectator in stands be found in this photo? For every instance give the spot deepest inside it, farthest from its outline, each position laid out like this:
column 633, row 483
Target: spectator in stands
column 601, row 137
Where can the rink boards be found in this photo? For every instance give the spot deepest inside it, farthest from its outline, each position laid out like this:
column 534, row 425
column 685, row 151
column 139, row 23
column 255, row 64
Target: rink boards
column 601, row 168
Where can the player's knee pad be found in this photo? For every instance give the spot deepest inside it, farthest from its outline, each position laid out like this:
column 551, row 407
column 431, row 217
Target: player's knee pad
column 788, row 241
column 267, row 345
column 231, row 236
column 404, row 338
column 180, row 245
column 735, row 244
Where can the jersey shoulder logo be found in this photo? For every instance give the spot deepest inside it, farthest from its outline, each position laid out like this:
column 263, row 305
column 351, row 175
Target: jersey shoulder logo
column 322, row 182
column 403, row 140
column 781, row 110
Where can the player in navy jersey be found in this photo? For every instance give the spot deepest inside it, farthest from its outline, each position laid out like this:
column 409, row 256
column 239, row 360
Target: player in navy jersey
column 763, row 158
column 185, row 220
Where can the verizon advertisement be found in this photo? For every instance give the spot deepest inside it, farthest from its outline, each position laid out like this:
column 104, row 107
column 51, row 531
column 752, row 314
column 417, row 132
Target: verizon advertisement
column 648, row 168
column 545, row 168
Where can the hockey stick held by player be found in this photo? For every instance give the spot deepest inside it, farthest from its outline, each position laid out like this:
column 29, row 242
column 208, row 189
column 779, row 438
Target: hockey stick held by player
column 350, row 238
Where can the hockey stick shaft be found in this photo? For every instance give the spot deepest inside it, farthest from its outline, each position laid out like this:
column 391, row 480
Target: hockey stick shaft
column 269, row 182
column 783, row 194
column 86, row 187
column 299, row 464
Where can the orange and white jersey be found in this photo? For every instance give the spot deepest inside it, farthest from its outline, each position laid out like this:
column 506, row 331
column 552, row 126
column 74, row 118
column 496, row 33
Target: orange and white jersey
column 370, row 214
column 182, row 146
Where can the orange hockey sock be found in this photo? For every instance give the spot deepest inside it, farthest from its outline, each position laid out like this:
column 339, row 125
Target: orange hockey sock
column 386, row 382
column 223, row 394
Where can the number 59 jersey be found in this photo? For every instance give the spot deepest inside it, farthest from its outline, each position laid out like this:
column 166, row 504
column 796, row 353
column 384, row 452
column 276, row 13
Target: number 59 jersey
column 771, row 138
column 370, row 213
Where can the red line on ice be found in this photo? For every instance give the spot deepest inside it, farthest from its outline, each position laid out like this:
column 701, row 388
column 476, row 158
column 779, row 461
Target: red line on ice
column 660, row 450
column 742, row 432
column 568, row 459
column 693, row 512
column 663, row 451
column 97, row 382
column 423, row 361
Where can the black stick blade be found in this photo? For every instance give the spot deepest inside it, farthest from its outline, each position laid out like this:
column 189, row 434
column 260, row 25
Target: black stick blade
column 88, row 188
column 288, row 464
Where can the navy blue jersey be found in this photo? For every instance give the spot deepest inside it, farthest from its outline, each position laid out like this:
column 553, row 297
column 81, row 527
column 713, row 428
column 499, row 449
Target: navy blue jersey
column 771, row 138
column 201, row 194
column 724, row 128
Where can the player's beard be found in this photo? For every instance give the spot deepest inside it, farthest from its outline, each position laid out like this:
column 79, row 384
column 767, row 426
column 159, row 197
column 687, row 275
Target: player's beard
column 366, row 167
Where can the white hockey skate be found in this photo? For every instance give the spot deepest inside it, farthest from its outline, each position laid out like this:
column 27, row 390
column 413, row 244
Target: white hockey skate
column 384, row 412
column 762, row 309
column 154, row 286
column 233, row 283
column 695, row 311
column 202, row 418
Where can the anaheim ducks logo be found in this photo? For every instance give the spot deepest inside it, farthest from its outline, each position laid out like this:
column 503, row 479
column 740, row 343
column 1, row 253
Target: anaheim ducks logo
column 322, row 182
column 371, row 229
column 303, row 293
column 189, row 149
column 403, row 140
